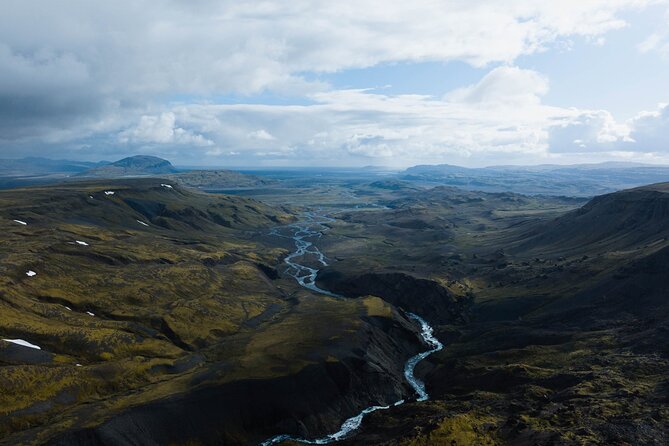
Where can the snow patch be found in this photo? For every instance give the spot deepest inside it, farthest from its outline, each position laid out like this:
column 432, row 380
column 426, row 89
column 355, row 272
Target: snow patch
column 142, row 223
column 31, row 273
column 67, row 308
column 109, row 192
column 167, row 186
column 90, row 314
column 78, row 365
column 23, row 343
column 79, row 242
column 21, row 222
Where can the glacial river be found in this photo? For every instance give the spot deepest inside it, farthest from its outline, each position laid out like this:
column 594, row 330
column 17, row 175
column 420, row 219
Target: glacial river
column 304, row 233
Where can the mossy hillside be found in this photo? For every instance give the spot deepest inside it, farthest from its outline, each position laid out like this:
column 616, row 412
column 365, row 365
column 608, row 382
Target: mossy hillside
column 181, row 304
column 289, row 342
column 157, row 292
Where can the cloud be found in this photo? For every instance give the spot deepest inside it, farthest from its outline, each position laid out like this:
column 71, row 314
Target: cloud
column 587, row 131
column 83, row 76
column 344, row 127
column 650, row 130
column 91, row 59
column 506, row 84
column 162, row 129
column 597, row 131
column 262, row 135
column 657, row 41
column 353, row 126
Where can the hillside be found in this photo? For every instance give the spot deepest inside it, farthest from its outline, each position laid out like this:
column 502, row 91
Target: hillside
column 219, row 179
column 623, row 220
column 132, row 166
column 158, row 312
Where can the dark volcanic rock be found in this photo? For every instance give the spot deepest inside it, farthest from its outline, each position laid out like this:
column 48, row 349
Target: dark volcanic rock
column 424, row 297
column 18, row 354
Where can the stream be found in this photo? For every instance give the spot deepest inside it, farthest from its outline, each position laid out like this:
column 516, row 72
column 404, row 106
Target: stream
column 303, row 233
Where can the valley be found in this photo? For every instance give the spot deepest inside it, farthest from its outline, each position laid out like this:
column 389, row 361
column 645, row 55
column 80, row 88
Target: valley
column 173, row 316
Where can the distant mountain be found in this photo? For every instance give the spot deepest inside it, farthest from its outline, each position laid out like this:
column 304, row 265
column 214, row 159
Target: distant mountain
column 132, row 166
column 218, row 179
column 392, row 184
column 583, row 180
column 587, row 166
column 33, row 166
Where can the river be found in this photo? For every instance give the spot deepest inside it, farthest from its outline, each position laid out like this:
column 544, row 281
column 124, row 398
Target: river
column 313, row 226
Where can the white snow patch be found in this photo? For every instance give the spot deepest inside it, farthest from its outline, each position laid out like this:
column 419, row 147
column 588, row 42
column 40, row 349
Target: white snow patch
column 78, row 365
column 67, row 308
column 21, row 222
column 79, row 242
column 109, row 192
column 91, row 197
column 142, row 223
column 90, row 314
column 31, row 273
column 166, row 185
column 23, row 343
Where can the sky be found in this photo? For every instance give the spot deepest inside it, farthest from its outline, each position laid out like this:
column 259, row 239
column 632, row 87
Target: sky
column 346, row 83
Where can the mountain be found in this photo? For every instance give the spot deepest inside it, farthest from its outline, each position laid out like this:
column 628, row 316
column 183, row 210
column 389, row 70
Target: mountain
column 42, row 166
column 153, row 166
column 132, row 166
column 584, row 180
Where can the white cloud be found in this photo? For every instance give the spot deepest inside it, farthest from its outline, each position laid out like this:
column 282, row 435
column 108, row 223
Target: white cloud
column 126, row 48
column 100, row 72
column 262, row 135
column 650, row 130
column 597, row 131
column 162, row 129
column 587, row 131
column 657, row 41
column 360, row 126
column 506, row 84
column 347, row 126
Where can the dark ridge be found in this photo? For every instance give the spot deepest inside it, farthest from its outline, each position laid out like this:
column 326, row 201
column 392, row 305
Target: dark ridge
column 421, row 296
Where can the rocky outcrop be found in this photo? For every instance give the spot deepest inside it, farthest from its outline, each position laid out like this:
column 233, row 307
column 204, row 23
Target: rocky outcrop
column 425, row 297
